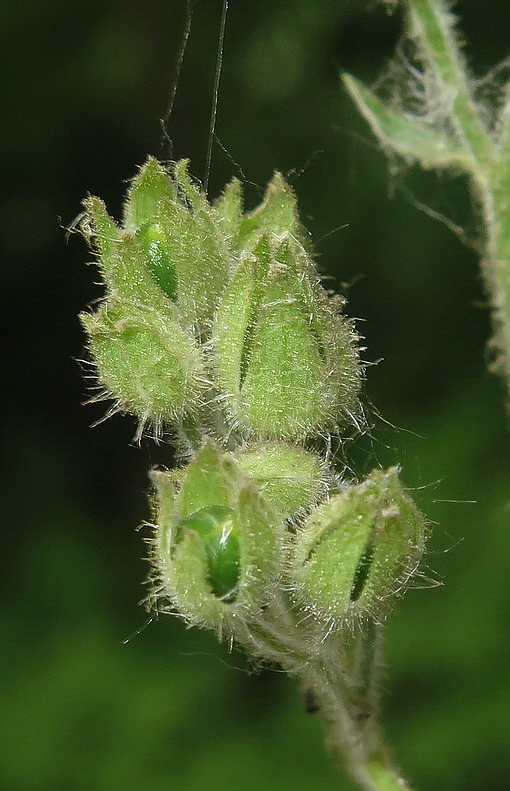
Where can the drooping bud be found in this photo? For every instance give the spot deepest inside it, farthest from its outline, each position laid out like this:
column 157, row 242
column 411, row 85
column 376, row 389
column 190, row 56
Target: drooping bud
column 290, row 477
column 358, row 551
column 285, row 360
column 217, row 543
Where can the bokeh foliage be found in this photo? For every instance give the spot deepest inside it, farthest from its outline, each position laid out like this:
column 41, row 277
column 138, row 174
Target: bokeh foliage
column 83, row 87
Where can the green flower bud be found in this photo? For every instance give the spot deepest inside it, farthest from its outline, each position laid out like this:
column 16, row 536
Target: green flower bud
column 183, row 237
column 194, row 241
column 219, row 530
column 154, row 243
column 357, row 551
column 285, row 361
column 146, row 362
column 217, row 546
column 290, row 477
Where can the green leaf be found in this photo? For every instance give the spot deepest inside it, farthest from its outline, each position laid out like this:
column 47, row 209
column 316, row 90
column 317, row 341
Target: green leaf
column 409, row 136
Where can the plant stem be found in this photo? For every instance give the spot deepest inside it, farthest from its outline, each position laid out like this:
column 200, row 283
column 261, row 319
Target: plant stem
column 432, row 27
column 346, row 685
column 496, row 269
column 455, row 130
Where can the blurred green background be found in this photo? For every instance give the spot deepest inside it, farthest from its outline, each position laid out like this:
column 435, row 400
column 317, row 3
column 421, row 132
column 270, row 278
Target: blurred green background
column 83, row 88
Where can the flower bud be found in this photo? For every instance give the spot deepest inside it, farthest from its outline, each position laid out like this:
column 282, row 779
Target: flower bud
column 217, row 543
column 183, row 238
column 145, row 360
column 154, row 243
column 290, row 477
column 285, row 361
column 218, row 528
column 357, row 551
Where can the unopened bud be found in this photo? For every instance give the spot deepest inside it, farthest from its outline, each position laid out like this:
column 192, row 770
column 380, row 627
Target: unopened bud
column 357, row 551
column 284, row 358
column 290, row 477
column 146, row 362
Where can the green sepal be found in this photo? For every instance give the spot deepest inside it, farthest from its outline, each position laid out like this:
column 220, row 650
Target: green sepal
column 357, row 551
column 277, row 214
column 229, row 207
column 148, row 187
column 221, row 588
column 122, row 261
column 231, row 327
column 210, row 479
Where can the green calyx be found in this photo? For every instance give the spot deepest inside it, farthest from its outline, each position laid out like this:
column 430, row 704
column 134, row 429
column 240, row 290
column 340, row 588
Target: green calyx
column 358, row 550
column 145, row 360
column 291, row 478
column 214, row 320
column 207, row 300
column 277, row 341
column 217, row 542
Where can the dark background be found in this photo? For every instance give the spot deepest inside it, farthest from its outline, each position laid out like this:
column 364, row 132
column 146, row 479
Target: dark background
column 83, row 87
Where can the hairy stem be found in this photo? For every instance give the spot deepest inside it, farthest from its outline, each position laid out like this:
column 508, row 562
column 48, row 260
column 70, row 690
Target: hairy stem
column 454, row 130
column 347, row 690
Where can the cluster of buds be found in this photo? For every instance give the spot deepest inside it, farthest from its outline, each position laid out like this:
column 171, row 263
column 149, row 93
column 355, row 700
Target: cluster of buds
column 215, row 322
